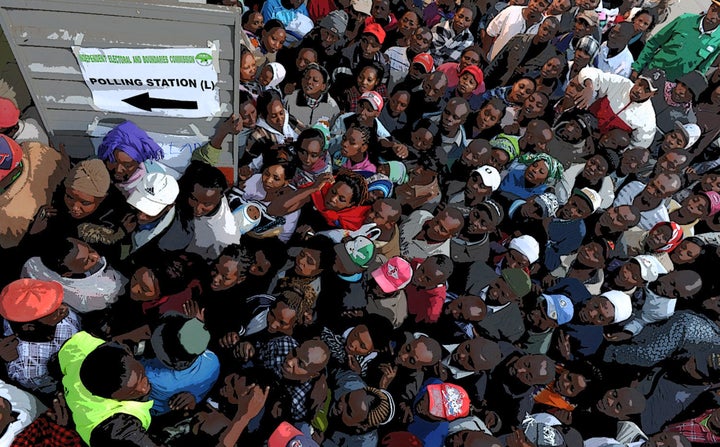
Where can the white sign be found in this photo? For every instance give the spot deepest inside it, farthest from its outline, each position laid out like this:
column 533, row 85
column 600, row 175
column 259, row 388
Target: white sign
column 180, row 82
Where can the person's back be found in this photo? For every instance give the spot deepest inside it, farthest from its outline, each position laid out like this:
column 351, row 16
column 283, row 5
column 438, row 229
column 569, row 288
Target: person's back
column 106, row 408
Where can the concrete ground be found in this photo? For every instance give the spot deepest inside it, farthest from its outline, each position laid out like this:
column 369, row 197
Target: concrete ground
column 686, row 6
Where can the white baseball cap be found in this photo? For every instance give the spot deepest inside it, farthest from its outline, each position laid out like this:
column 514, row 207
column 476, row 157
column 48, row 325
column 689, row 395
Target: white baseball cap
column 156, row 191
column 490, row 176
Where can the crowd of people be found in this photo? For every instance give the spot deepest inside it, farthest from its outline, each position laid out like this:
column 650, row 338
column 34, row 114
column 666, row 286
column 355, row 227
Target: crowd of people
column 478, row 224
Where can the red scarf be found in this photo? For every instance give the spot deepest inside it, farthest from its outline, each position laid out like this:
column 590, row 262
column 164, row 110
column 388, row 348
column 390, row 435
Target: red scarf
column 348, row 219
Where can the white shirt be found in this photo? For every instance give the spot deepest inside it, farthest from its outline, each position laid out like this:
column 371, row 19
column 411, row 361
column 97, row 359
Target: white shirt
column 504, row 26
column 620, row 64
column 27, row 406
column 638, row 116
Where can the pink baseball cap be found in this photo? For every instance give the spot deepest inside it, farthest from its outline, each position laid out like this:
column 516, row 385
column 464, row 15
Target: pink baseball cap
column 374, row 98
column 448, row 401
column 426, row 60
column 394, row 275
column 714, row 199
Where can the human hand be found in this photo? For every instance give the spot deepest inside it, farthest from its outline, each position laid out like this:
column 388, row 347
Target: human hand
column 229, row 340
column 244, row 351
column 191, row 308
column 245, row 172
column 619, row 336
column 253, row 401
column 182, row 401
column 584, row 96
column 129, row 222
column 59, row 413
column 42, row 217
column 563, row 345
column 388, row 374
column 400, row 150
column 322, row 179
column 8, row 348
column 406, row 412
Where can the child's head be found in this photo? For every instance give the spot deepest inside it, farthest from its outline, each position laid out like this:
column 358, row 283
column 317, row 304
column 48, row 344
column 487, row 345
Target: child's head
column 421, row 138
column 252, row 21
column 266, row 75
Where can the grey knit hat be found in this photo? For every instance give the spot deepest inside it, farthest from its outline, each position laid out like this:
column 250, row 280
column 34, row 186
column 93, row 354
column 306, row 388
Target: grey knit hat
column 695, row 81
column 336, row 22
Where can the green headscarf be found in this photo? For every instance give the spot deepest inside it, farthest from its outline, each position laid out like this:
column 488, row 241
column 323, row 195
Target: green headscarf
column 555, row 168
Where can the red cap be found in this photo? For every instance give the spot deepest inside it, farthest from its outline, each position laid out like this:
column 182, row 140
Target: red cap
column 9, row 113
column 401, row 439
column 10, row 155
column 426, row 60
column 30, row 299
column 286, row 435
column 448, row 401
column 475, row 71
column 374, row 98
column 377, row 31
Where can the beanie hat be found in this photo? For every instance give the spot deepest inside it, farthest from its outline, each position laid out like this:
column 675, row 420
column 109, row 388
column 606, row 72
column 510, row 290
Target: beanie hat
column 494, row 210
column 588, row 44
column 622, row 304
column 28, row 299
column 335, row 22
column 518, row 281
column 548, row 203
column 379, row 182
column 695, row 81
column 90, row 177
column 714, row 199
column 398, row 172
column 650, row 267
column 527, row 245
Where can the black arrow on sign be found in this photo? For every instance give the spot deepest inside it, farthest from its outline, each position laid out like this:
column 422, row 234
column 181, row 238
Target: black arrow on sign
column 145, row 102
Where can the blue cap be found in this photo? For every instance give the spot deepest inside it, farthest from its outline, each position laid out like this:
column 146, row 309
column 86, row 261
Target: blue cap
column 559, row 308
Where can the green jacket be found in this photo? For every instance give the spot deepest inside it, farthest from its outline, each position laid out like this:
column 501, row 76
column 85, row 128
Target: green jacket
column 679, row 48
column 89, row 411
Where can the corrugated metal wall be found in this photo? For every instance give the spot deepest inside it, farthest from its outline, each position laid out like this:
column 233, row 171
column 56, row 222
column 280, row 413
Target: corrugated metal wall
column 41, row 34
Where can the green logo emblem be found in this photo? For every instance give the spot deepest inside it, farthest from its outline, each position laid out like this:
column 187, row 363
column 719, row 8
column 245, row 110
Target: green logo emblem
column 203, row 59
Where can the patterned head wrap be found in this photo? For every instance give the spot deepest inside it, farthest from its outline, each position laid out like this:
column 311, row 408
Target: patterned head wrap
column 555, row 168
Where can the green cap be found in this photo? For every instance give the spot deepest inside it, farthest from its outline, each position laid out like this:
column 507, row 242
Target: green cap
column 517, row 280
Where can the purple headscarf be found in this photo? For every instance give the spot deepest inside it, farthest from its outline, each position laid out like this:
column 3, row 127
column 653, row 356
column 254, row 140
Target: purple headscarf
column 132, row 140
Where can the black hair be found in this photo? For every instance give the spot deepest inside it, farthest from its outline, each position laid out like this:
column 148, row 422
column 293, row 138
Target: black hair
column 365, row 131
column 444, row 263
column 53, row 255
column 326, row 248
column 239, row 254
column 246, row 16
column 113, row 359
column 497, row 103
column 246, row 97
column 265, row 99
column 474, row 48
column 653, row 19
column 470, row 7
column 311, row 133
column 197, row 173
column 282, row 157
column 272, row 24
column 423, row 123
column 357, row 184
column 170, row 339
column 374, row 65
column 172, row 270
column 380, row 329
column 273, row 249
